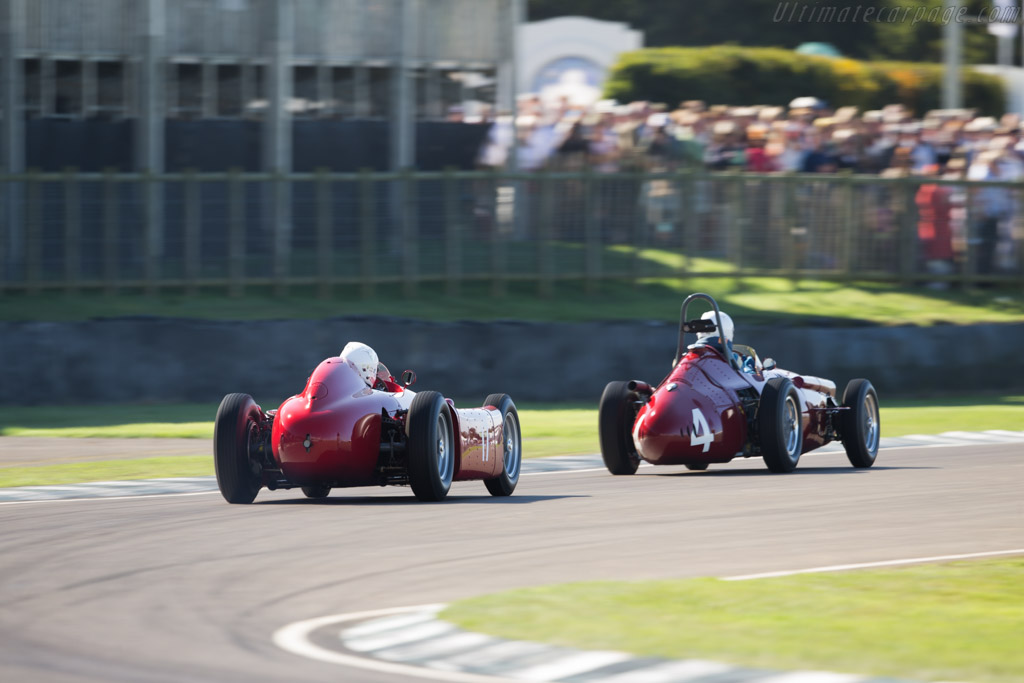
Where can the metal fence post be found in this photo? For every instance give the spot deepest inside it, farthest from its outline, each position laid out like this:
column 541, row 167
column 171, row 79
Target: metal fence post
column 790, row 218
column 591, row 231
column 34, row 228
column 503, row 218
column 739, row 229
column 367, row 245
column 688, row 216
column 1017, row 234
column 846, row 250
column 452, row 235
column 324, row 235
column 545, row 257
column 72, row 231
column 236, row 235
column 410, row 234
column 154, row 232
column 908, row 233
column 282, row 231
column 638, row 229
column 192, row 218
column 111, row 232
column 970, row 253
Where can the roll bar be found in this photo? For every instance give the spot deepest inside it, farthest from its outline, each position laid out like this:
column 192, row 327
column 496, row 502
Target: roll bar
column 695, row 327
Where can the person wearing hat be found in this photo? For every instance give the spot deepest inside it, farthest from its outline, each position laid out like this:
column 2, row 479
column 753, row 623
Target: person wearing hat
column 934, row 211
column 757, row 160
column 992, row 205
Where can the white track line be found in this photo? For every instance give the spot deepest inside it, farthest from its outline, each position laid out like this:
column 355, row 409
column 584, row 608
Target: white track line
column 867, row 565
column 109, row 498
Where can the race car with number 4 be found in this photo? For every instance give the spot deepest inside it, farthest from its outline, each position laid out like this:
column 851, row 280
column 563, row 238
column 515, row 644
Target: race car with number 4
column 346, row 430
column 720, row 402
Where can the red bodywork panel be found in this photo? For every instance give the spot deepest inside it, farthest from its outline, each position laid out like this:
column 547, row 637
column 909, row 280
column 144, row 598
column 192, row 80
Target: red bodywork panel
column 696, row 415
column 331, row 432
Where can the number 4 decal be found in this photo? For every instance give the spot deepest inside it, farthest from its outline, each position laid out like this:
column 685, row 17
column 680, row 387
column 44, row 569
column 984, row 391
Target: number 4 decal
column 701, row 434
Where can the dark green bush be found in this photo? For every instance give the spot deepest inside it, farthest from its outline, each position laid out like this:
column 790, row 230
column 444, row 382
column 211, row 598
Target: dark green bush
column 728, row 74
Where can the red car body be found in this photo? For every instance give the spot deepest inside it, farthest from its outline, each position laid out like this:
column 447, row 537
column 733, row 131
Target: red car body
column 338, row 432
column 713, row 407
column 668, row 431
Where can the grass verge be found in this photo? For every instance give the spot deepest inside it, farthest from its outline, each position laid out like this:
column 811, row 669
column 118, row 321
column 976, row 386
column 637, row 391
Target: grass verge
column 954, row 621
column 548, row 429
column 763, row 300
column 107, row 470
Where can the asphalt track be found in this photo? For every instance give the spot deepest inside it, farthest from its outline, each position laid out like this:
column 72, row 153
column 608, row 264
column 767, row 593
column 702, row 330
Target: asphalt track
column 191, row 588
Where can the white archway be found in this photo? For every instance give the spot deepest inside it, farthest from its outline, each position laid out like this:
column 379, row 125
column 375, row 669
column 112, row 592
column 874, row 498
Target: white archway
column 578, row 50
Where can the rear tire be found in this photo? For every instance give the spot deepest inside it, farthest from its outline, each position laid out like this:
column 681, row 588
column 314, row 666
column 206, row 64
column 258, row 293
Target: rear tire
column 615, row 417
column 860, row 427
column 696, row 467
column 431, row 446
column 512, row 446
column 780, row 421
column 235, row 429
column 316, row 492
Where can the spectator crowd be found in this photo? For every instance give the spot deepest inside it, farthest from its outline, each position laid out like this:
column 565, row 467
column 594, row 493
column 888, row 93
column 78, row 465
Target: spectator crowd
column 806, row 137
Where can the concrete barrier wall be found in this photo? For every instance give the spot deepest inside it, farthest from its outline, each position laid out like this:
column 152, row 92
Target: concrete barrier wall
column 173, row 360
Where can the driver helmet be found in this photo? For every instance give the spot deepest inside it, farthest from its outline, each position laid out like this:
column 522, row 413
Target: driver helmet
column 363, row 359
column 726, row 332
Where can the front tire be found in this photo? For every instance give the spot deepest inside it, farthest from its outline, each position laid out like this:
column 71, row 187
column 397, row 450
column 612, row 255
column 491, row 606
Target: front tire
column 860, row 425
column 780, row 421
column 431, row 446
column 234, row 434
column 615, row 417
column 512, row 446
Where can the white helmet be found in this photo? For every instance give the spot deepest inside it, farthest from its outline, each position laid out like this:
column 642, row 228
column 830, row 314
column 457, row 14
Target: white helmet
column 363, row 359
column 727, row 331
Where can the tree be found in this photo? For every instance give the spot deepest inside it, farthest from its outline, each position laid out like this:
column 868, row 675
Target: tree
column 776, row 23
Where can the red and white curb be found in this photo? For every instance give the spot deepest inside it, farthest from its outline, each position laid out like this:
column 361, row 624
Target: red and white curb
column 413, row 642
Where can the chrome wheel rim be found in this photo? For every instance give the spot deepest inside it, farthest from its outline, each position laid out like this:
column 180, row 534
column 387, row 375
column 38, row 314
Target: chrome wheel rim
column 445, row 459
column 510, row 431
column 791, row 426
column 870, row 424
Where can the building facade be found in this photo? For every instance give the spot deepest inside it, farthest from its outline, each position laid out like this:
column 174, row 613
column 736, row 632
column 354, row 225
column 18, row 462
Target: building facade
column 144, row 65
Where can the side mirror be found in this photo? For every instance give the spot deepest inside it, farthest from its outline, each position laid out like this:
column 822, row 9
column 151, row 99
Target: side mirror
column 408, row 378
column 769, row 364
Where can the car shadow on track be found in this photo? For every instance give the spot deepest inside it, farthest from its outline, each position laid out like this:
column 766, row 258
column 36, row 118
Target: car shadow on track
column 763, row 472
column 411, row 500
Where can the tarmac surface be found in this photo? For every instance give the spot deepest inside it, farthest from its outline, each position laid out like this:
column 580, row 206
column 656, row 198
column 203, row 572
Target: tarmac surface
column 187, row 587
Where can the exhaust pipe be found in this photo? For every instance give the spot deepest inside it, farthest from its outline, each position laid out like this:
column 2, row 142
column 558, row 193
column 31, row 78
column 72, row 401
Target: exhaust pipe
column 638, row 387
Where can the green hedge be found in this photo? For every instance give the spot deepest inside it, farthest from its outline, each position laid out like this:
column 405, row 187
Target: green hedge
column 734, row 75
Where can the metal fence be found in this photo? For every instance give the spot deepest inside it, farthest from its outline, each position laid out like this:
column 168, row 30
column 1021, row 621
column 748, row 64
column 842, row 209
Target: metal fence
column 111, row 231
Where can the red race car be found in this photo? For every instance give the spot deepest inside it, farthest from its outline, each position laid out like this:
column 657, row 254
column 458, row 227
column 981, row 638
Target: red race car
column 720, row 402
column 355, row 425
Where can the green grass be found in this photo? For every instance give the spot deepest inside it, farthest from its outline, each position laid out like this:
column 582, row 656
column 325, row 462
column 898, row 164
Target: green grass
column 750, row 301
column 956, row 621
column 548, row 429
column 188, row 421
column 108, row 470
